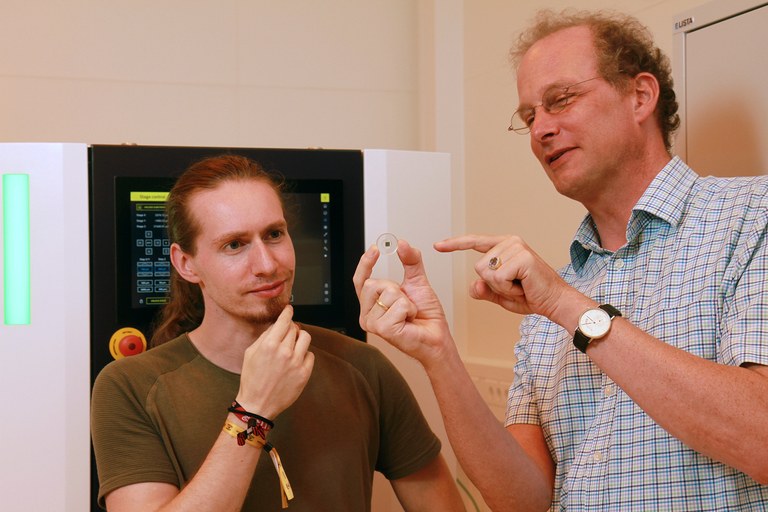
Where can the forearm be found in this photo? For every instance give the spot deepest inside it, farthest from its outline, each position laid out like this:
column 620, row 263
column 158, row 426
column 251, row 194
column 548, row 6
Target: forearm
column 430, row 488
column 720, row 411
column 220, row 484
column 505, row 474
column 224, row 478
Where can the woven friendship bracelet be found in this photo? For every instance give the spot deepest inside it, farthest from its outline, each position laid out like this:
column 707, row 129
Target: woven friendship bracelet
column 286, row 492
column 257, row 425
column 256, row 435
column 243, row 436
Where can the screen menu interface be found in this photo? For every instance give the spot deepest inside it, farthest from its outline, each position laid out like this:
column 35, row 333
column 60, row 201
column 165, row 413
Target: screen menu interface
column 150, row 251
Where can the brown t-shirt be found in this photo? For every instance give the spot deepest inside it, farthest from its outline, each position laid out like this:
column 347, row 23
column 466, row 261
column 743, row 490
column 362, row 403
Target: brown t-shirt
column 155, row 416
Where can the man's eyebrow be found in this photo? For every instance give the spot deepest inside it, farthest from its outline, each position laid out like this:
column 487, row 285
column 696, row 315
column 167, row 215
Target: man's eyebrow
column 562, row 84
column 280, row 224
column 229, row 235
column 242, row 233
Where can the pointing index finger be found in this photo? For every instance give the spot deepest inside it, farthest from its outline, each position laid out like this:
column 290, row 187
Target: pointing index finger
column 479, row 243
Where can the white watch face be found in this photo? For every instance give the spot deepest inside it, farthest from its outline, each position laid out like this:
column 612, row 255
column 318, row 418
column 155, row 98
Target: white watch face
column 595, row 323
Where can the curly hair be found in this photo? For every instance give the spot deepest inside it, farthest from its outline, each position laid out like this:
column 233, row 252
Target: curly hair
column 624, row 48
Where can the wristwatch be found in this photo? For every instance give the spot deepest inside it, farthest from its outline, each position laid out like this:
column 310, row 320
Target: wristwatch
column 594, row 324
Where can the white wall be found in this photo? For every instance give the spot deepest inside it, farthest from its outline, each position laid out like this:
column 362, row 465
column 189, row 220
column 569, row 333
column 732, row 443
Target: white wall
column 336, row 74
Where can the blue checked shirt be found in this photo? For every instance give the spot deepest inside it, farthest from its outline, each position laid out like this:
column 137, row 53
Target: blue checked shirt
column 694, row 274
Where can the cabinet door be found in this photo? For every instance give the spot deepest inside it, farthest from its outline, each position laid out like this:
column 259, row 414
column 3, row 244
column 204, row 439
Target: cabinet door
column 726, row 96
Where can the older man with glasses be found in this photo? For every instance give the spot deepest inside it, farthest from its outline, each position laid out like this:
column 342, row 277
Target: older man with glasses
column 642, row 378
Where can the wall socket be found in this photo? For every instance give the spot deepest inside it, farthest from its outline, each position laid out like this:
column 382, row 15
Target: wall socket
column 492, row 381
column 494, row 393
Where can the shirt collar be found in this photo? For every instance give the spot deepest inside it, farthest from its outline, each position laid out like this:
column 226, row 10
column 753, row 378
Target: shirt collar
column 665, row 198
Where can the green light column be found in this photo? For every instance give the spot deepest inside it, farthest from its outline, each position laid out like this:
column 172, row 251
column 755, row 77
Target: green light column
column 17, row 282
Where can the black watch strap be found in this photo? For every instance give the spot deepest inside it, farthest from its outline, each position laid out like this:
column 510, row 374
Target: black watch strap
column 580, row 340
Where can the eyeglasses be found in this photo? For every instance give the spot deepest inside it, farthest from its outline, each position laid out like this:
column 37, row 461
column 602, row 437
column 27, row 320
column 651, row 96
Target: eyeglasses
column 553, row 101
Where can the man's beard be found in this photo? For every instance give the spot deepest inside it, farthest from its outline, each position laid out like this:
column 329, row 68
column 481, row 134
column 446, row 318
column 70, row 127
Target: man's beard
column 271, row 311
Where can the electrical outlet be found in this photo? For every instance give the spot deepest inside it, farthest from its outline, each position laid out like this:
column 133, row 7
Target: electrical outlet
column 498, row 391
column 494, row 394
column 493, row 384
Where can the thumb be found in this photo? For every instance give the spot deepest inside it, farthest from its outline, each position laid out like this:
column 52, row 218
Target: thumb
column 413, row 265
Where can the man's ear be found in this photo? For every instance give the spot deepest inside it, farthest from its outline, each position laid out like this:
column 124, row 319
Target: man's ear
column 645, row 88
column 184, row 264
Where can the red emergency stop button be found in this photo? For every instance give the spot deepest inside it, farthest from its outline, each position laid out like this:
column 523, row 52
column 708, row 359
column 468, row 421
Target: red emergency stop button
column 127, row 342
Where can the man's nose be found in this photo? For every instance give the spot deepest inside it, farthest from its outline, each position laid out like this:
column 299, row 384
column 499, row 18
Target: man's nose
column 544, row 124
column 262, row 260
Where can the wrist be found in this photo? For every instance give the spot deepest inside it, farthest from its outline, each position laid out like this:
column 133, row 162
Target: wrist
column 569, row 311
column 440, row 354
column 243, row 435
column 594, row 324
column 248, row 417
column 255, row 434
column 446, row 360
column 258, row 407
column 256, row 427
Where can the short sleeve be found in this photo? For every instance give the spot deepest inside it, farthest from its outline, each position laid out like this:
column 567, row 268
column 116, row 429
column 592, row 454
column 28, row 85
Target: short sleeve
column 407, row 442
column 127, row 447
column 745, row 311
column 521, row 403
